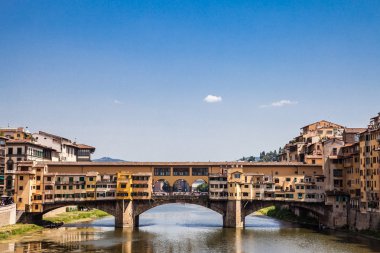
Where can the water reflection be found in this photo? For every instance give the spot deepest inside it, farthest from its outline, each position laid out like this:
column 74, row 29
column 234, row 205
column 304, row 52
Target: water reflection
column 179, row 228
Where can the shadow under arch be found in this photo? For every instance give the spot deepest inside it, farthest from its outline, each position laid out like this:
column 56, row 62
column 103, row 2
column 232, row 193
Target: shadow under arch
column 314, row 210
column 103, row 206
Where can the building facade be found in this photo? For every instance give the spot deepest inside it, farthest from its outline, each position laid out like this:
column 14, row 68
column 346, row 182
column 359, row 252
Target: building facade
column 39, row 183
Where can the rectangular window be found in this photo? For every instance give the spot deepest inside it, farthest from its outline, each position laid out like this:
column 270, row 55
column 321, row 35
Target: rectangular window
column 49, row 187
column 21, row 188
column 199, row 171
column 21, row 178
column 162, row 171
column 181, row 171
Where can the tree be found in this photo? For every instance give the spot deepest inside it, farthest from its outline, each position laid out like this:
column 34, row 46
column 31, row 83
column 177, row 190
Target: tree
column 203, row 187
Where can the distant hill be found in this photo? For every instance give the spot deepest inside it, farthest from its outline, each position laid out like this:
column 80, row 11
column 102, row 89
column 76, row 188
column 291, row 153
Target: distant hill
column 108, row 159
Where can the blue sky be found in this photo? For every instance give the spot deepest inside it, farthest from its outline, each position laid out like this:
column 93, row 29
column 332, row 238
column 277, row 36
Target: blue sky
column 131, row 77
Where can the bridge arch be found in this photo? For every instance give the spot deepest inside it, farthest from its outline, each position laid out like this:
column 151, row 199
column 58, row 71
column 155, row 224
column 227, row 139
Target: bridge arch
column 316, row 209
column 105, row 206
column 216, row 207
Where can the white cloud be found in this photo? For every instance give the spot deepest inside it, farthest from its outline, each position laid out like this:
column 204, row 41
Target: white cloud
column 280, row 103
column 212, row 99
column 118, row 102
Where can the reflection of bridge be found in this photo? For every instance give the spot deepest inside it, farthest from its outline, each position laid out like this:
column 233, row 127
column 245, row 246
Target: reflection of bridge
column 127, row 213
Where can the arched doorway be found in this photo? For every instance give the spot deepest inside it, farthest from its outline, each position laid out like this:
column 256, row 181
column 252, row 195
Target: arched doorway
column 161, row 187
column 181, row 186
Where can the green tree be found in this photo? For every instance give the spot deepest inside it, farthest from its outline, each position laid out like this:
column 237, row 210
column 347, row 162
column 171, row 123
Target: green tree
column 203, row 187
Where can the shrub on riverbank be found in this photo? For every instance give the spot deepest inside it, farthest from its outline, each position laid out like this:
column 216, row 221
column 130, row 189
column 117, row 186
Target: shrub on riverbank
column 287, row 215
column 17, row 229
column 370, row 233
column 70, row 217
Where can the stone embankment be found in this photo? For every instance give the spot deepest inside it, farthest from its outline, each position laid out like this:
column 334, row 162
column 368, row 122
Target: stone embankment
column 7, row 215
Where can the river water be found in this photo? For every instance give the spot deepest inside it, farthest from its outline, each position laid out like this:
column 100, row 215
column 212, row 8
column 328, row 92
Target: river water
column 187, row 228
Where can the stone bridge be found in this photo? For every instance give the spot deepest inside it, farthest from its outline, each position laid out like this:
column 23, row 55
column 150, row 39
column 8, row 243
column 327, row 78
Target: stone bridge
column 126, row 212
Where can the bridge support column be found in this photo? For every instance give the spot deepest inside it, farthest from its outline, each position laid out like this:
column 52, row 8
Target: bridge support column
column 233, row 217
column 125, row 214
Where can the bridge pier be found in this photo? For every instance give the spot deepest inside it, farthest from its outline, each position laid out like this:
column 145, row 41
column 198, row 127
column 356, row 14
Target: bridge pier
column 125, row 215
column 233, row 217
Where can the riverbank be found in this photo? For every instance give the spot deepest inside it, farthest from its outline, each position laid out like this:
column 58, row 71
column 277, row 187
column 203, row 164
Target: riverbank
column 286, row 215
column 17, row 229
column 77, row 216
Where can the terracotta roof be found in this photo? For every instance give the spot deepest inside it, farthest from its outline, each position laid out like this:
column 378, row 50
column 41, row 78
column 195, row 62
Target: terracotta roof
column 322, row 121
column 84, row 146
column 354, row 130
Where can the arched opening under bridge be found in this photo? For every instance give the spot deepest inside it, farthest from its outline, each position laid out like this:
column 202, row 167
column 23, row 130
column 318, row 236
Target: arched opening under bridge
column 279, row 212
column 181, row 214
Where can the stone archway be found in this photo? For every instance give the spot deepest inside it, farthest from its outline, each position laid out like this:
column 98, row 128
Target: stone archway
column 199, row 185
column 161, row 187
column 181, row 186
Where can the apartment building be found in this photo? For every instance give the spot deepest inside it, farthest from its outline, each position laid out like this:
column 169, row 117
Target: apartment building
column 65, row 150
column 369, row 144
column 351, row 172
column 2, row 163
column 218, row 186
column 307, row 146
column 19, row 151
column 258, row 186
column 18, row 133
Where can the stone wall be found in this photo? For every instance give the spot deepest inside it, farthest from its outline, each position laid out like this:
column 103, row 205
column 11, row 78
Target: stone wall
column 364, row 221
column 7, row 215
